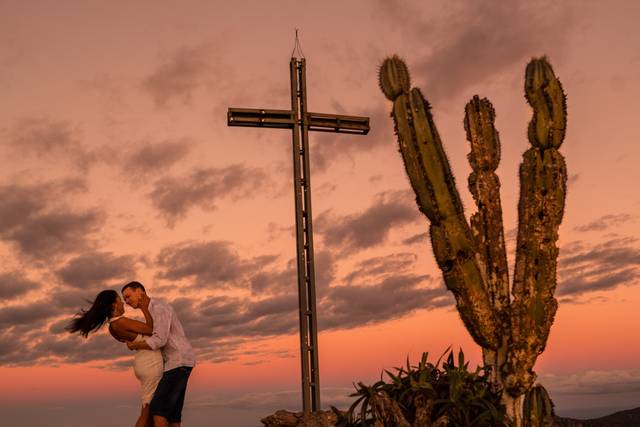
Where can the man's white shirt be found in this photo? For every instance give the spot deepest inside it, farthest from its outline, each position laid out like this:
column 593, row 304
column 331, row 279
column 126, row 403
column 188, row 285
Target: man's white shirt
column 169, row 337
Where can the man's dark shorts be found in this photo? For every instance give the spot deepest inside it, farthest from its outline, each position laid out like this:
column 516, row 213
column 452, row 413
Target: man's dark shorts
column 169, row 396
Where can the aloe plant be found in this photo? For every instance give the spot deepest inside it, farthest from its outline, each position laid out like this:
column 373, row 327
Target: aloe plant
column 428, row 395
column 512, row 328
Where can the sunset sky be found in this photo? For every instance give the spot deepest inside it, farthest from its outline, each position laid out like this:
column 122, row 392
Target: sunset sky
column 117, row 164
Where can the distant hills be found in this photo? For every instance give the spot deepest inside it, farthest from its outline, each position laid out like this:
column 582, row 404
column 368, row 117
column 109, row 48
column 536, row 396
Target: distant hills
column 628, row 418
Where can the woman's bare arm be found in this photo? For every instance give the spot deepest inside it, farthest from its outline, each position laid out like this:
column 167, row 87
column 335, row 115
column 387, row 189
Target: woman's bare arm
column 120, row 334
column 135, row 326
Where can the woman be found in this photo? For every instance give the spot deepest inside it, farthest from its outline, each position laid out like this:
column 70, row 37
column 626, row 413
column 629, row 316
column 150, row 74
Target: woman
column 148, row 365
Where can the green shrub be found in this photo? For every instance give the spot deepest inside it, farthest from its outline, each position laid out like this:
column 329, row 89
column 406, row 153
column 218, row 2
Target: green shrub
column 426, row 394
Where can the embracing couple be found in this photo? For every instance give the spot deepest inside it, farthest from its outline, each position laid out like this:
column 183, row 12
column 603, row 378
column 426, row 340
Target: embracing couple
column 163, row 359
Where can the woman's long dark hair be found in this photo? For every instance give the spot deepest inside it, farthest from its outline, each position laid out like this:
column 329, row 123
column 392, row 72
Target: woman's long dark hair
column 91, row 320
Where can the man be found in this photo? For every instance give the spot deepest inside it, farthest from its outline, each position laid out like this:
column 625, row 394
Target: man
column 178, row 355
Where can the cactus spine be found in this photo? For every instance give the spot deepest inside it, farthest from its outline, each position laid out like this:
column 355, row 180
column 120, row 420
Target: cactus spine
column 472, row 257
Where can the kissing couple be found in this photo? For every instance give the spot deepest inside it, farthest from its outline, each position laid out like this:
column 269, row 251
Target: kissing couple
column 164, row 357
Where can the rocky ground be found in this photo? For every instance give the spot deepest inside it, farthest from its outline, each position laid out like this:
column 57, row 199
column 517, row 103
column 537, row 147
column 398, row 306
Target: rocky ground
column 628, row 418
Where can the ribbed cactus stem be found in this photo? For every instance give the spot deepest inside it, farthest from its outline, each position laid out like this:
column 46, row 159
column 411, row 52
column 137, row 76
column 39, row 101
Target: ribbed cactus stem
column 484, row 185
column 543, row 186
column 433, row 183
column 486, row 224
column 394, row 78
column 537, row 408
column 544, row 93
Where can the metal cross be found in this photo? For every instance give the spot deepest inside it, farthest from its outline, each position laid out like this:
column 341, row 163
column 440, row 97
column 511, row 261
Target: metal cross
column 300, row 121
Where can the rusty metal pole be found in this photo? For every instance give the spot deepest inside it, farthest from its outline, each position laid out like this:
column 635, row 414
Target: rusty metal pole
column 310, row 277
column 301, row 233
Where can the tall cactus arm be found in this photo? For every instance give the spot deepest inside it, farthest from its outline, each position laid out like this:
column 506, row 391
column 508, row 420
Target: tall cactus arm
column 543, row 178
column 484, row 185
column 430, row 175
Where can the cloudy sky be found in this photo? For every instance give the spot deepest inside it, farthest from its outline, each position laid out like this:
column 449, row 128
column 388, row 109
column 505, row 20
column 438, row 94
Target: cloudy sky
column 117, row 164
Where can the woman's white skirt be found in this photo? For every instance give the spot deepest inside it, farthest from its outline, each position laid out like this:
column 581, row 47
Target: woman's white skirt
column 148, row 367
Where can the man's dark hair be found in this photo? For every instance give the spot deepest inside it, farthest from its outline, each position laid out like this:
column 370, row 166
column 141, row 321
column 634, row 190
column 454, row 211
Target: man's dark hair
column 134, row 285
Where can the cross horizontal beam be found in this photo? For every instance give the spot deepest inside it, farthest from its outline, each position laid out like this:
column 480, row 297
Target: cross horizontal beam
column 338, row 123
column 285, row 119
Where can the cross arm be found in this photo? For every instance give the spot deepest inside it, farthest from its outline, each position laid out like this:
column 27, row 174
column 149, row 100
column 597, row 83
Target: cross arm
column 337, row 123
column 256, row 117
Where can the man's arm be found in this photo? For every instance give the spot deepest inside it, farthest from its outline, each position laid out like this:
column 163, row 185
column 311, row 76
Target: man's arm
column 140, row 345
column 161, row 325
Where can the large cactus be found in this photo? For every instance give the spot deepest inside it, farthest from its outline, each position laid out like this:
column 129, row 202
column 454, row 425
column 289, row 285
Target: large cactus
column 512, row 329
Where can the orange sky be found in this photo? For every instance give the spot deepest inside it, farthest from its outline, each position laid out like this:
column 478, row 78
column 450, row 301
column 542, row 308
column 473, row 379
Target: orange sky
column 117, row 164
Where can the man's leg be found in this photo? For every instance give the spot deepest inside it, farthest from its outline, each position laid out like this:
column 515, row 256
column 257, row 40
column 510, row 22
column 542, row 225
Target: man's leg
column 167, row 402
column 161, row 403
column 175, row 417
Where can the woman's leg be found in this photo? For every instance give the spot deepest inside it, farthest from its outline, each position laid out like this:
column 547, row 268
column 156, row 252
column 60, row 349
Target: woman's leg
column 145, row 419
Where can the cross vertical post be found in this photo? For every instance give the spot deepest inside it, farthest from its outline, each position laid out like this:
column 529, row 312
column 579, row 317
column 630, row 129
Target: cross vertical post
column 300, row 121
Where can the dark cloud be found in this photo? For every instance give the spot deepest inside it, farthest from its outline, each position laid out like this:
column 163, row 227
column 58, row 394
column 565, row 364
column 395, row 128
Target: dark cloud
column 37, row 335
column 327, row 148
column 606, row 221
column 420, row 238
column 73, row 299
column 52, row 234
column 581, row 301
column 584, row 268
column 97, row 269
column 75, row 349
column 181, row 74
column 593, row 382
column 285, row 280
column 20, row 201
column 31, row 314
column 44, row 137
column 381, row 266
column 275, row 230
column 153, row 158
column 339, row 307
column 275, row 281
column 14, row 284
column 394, row 297
column 223, row 317
column 212, row 264
column 34, row 219
column 57, row 349
column 325, row 267
column 8, row 345
column 369, row 228
column 472, row 43
column 382, row 288
column 175, row 196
